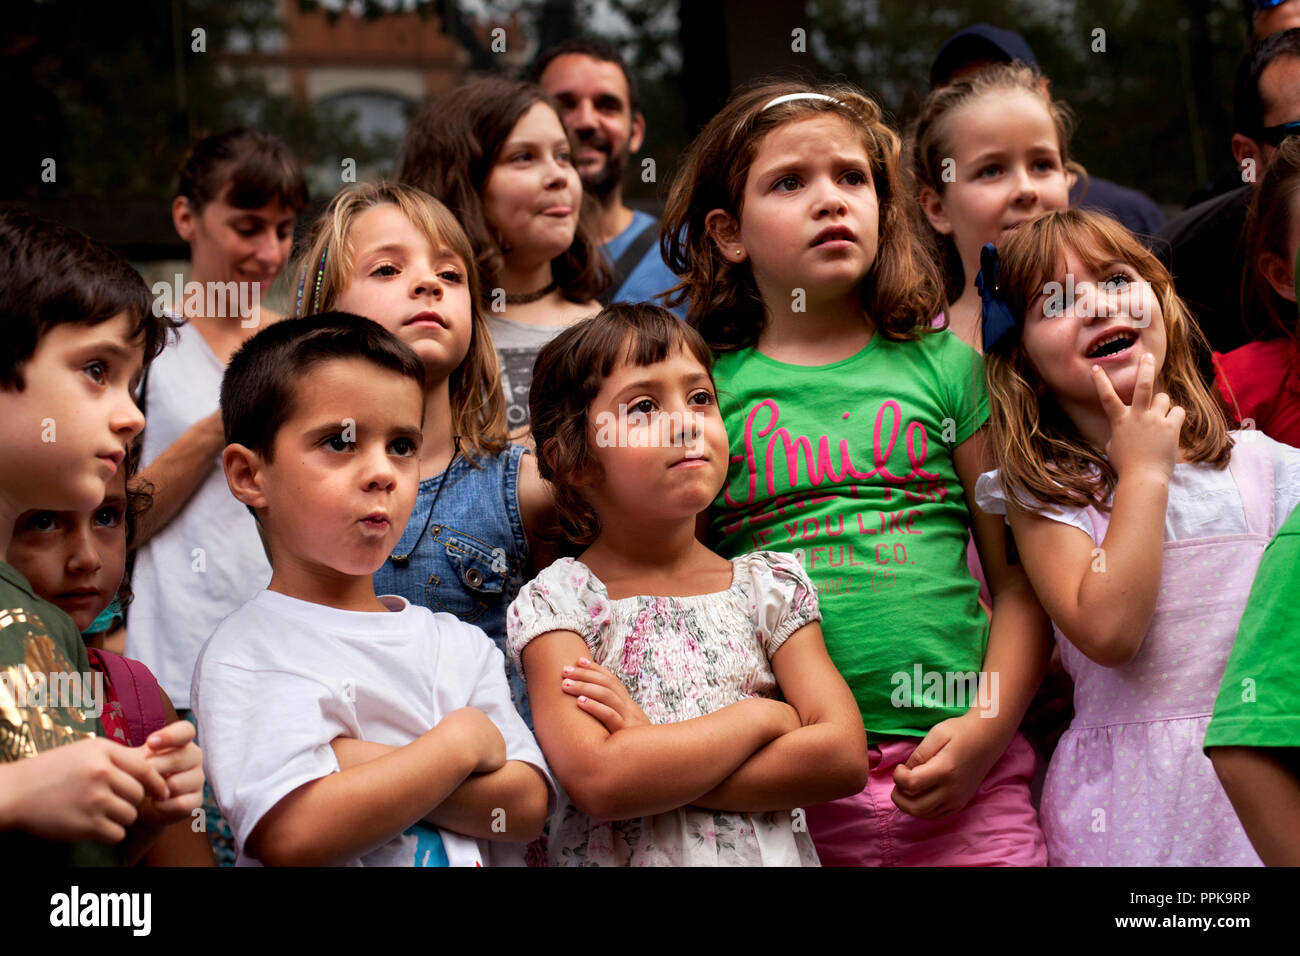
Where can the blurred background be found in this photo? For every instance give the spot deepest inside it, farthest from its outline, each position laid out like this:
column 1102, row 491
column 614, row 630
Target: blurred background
column 113, row 92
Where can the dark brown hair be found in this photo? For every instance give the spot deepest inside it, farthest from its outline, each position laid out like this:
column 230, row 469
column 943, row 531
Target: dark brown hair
column 1044, row 456
column 930, row 143
column 51, row 274
column 259, row 388
column 901, row 293
column 249, row 167
column 449, row 150
column 567, row 378
column 1267, row 231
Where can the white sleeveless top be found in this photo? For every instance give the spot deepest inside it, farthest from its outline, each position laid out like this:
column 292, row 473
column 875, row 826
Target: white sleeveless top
column 208, row 560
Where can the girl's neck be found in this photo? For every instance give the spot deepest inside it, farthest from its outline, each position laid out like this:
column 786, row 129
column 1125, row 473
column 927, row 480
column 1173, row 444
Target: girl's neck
column 964, row 319
column 523, row 278
column 437, row 446
column 643, row 555
column 828, row 331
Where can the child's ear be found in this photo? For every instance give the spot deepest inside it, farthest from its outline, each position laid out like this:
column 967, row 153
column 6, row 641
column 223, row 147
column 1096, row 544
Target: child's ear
column 1278, row 274
column 244, row 470
column 183, row 217
column 724, row 230
column 932, row 206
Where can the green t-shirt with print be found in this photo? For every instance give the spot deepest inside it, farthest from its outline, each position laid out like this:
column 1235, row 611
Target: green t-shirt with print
column 40, row 649
column 850, row 467
column 1259, row 700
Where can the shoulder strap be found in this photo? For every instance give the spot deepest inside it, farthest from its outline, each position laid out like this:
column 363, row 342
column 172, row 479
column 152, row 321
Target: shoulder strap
column 1251, row 468
column 138, row 692
column 631, row 257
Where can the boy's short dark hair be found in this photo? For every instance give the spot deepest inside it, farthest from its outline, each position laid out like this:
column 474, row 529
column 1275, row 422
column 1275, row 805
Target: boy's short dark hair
column 258, row 391
column 51, row 274
column 567, row 377
column 599, row 50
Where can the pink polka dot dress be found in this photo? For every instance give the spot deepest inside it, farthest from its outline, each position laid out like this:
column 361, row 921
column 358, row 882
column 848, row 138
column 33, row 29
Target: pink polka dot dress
column 1129, row 784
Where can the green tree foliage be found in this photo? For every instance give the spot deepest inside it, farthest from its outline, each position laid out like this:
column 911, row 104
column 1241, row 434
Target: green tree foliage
column 114, row 92
column 1153, row 111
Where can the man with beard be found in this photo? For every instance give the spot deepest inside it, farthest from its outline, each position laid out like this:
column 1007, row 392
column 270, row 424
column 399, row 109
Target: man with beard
column 598, row 104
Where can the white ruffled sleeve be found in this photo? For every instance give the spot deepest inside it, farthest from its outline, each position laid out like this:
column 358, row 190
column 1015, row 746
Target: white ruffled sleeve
column 989, row 495
column 991, row 498
column 785, row 597
column 564, row 597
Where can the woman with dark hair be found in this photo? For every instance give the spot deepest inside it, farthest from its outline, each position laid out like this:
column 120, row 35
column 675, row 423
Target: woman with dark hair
column 199, row 556
column 496, row 153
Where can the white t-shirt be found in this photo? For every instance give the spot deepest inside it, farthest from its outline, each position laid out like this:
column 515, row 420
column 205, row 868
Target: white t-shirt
column 208, row 560
column 1203, row 500
column 282, row 677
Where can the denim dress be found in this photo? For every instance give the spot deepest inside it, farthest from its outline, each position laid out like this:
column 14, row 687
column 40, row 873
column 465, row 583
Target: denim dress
column 472, row 558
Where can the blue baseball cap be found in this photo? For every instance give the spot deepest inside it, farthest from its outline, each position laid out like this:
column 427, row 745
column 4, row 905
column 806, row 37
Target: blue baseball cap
column 976, row 44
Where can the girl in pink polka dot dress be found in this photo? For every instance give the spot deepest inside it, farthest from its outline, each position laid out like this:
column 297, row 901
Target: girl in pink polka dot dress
column 1140, row 520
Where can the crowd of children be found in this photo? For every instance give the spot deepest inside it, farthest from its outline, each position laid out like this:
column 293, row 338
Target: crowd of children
column 453, row 567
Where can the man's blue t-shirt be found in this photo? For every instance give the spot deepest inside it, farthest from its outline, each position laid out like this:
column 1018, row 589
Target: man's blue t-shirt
column 650, row 276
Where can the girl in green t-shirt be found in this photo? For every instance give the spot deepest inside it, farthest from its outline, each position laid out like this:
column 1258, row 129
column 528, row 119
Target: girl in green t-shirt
column 855, row 443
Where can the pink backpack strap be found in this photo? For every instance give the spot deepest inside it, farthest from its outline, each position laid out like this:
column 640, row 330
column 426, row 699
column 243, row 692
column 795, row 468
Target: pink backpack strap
column 137, row 691
column 1252, row 470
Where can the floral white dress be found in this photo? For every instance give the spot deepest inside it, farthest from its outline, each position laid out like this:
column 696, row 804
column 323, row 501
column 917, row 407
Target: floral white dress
column 680, row 657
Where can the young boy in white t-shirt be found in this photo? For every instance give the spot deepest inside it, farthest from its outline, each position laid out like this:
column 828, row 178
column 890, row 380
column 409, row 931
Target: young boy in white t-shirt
column 323, row 419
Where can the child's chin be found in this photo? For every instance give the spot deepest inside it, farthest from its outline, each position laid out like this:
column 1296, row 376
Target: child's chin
column 56, row 494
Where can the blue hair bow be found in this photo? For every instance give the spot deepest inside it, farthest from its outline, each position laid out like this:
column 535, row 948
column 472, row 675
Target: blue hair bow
column 996, row 318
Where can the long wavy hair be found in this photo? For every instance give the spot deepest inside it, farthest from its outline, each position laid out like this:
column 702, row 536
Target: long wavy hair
column 449, row 151
column 930, row 143
column 901, row 293
column 478, row 407
column 1044, row 457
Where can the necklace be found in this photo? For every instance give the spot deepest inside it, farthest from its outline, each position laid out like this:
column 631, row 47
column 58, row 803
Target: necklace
column 404, row 560
column 523, row 298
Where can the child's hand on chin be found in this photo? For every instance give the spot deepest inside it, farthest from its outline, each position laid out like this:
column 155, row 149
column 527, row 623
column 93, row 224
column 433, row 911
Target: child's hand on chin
column 947, row 766
column 173, row 753
column 1144, row 436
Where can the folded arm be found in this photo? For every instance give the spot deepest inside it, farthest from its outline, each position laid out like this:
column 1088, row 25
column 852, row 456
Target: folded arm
column 343, row 815
column 508, row 804
column 640, row 770
column 824, row 759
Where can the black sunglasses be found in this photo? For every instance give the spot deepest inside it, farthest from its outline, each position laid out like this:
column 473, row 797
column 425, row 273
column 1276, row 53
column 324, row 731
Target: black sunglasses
column 1273, row 135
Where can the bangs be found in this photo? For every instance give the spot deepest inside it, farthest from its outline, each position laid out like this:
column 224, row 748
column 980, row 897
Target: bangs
column 650, row 342
column 1036, row 252
column 260, row 177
